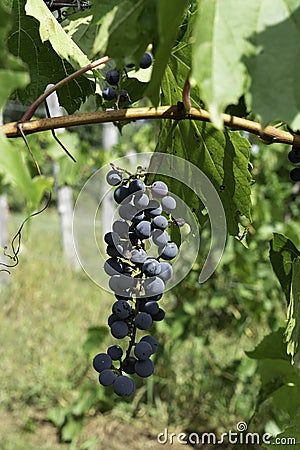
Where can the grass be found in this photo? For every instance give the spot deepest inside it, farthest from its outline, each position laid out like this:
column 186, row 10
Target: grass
column 45, row 314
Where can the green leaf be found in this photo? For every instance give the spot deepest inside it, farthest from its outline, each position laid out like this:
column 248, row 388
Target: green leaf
column 13, row 166
column 282, row 254
column 271, row 347
column 168, row 23
column 273, row 86
column 130, row 21
column 293, row 314
column 45, row 65
column 221, row 43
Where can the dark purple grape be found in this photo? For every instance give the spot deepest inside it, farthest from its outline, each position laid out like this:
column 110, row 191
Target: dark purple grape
column 159, row 189
column 152, row 341
column 101, row 362
column 138, row 256
column 121, row 193
column 112, row 77
column 113, row 266
column 160, row 237
column 166, row 271
column 112, row 318
column 141, row 200
column 151, row 267
column 160, row 222
column 143, row 229
column 113, row 177
column 146, row 60
column 159, row 316
column 109, row 94
column 143, row 350
column 293, row 157
column 153, row 286
column 168, row 204
column 144, row 368
column 124, row 96
column 127, row 211
column 114, row 250
column 143, row 321
column 153, row 209
column 169, row 251
column 107, row 377
column 295, row 174
column 121, row 309
column 112, row 238
column 151, row 308
column 128, row 365
column 124, row 386
column 115, row 352
column 119, row 329
column 136, row 185
column 121, row 227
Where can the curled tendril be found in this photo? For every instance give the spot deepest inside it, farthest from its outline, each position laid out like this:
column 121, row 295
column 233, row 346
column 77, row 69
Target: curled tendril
column 16, row 241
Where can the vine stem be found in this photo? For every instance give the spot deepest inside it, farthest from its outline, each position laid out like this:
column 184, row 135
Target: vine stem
column 268, row 135
column 33, row 107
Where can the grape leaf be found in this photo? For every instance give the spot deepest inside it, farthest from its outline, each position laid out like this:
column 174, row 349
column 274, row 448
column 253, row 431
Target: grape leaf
column 293, row 314
column 126, row 30
column 271, row 347
column 44, row 64
column 220, row 43
column 168, row 22
column 282, row 254
column 274, row 70
column 223, row 157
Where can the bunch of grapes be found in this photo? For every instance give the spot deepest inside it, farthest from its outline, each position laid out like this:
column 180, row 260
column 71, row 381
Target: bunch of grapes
column 113, row 76
column 136, row 279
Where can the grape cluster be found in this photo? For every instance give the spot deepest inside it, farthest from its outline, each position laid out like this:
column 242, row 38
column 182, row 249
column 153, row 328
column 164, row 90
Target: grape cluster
column 136, row 279
column 294, row 158
column 113, row 77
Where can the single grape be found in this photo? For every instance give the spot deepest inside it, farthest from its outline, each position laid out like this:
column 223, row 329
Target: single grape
column 112, row 238
column 143, row 321
column 121, row 309
column 293, row 158
column 113, row 266
column 115, row 352
column 114, row 251
column 141, row 201
column 151, row 267
column 112, row 77
column 136, row 185
column 295, row 174
column 160, row 222
column 138, row 256
column 159, row 189
column 113, row 178
column 144, row 368
column 109, row 94
column 107, row 377
column 124, row 386
column 138, row 217
column 180, row 222
column 296, row 150
column 119, row 329
column 146, row 60
column 151, row 308
column 160, row 315
column 153, row 209
column 160, row 237
column 166, row 271
column 152, row 341
column 127, row 211
column 101, row 362
column 143, row 350
column 112, row 318
column 124, row 96
column 121, row 282
column 153, row 286
column 168, row 204
column 122, row 193
column 128, row 365
column 121, row 227
column 143, row 229
column 169, row 251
